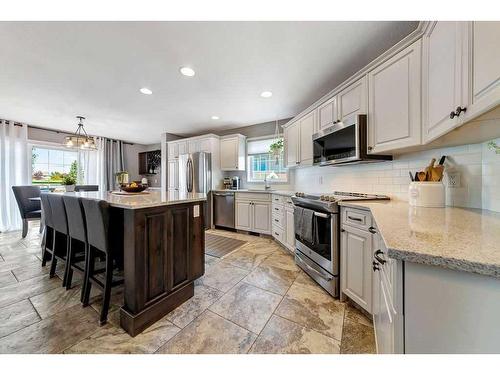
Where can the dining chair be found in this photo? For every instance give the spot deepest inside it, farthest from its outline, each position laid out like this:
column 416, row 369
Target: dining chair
column 77, row 234
column 101, row 243
column 29, row 209
column 61, row 237
column 86, row 187
column 48, row 234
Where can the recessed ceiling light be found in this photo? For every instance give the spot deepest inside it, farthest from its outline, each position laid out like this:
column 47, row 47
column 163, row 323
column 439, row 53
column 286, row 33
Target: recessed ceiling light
column 187, row 71
column 146, row 91
column 215, row 117
column 266, row 94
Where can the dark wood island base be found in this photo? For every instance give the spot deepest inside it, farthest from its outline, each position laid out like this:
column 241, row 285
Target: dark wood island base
column 164, row 250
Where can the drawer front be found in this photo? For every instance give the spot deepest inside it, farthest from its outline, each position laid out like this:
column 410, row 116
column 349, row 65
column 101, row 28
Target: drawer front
column 288, row 201
column 278, row 209
column 357, row 218
column 262, row 197
column 278, row 233
column 278, row 220
column 277, row 199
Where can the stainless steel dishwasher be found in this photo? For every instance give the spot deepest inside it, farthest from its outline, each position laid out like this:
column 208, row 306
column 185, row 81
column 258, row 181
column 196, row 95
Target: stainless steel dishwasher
column 223, row 208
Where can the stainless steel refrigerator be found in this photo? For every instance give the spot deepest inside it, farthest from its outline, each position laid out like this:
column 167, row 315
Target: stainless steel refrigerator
column 195, row 176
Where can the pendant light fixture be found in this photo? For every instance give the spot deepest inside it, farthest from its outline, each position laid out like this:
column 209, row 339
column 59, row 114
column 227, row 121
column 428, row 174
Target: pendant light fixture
column 80, row 140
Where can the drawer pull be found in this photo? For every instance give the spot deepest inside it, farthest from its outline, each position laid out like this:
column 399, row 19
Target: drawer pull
column 378, row 258
column 276, row 209
column 276, row 220
column 276, row 233
column 354, row 218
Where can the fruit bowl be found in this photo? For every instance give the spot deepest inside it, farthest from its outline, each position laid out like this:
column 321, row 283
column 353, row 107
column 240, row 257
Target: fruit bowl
column 133, row 187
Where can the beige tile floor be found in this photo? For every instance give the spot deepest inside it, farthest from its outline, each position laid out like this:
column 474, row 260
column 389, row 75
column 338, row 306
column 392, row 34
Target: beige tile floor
column 253, row 301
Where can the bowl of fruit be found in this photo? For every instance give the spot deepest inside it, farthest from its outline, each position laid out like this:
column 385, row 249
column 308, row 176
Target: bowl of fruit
column 133, row 187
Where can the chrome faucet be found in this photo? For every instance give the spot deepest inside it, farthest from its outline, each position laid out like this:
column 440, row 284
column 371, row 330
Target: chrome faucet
column 266, row 184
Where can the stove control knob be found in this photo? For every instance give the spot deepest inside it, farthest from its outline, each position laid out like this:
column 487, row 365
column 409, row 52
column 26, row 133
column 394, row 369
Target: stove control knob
column 332, row 198
column 322, row 198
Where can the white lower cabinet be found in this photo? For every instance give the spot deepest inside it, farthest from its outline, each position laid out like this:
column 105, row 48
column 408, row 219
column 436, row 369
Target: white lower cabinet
column 243, row 215
column 356, row 258
column 254, row 214
column 289, row 229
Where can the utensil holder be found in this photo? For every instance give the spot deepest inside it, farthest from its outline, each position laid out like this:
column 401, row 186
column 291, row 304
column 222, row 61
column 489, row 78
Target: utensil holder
column 426, row 194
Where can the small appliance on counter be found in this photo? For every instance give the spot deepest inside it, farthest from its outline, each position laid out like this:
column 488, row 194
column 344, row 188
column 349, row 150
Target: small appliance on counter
column 236, row 183
column 228, row 183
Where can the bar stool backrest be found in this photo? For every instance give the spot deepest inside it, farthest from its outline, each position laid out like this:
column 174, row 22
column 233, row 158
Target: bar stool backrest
column 97, row 219
column 59, row 219
column 23, row 193
column 47, row 211
column 77, row 227
column 87, row 188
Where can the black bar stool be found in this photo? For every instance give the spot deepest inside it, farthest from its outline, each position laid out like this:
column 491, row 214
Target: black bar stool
column 77, row 233
column 86, row 187
column 48, row 240
column 100, row 244
column 61, row 238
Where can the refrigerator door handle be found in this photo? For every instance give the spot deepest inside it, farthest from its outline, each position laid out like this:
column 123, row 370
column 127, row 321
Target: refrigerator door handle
column 189, row 176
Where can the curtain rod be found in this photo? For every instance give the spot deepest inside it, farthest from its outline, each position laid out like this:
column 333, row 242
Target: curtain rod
column 61, row 131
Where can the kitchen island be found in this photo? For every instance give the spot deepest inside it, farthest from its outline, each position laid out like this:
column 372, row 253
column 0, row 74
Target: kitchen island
column 163, row 251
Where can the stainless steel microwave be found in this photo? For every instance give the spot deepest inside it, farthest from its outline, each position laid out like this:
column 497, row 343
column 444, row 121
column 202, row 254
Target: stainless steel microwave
column 345, row 142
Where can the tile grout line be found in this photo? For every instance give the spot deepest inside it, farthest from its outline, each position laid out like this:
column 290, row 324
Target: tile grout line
column 278, row 305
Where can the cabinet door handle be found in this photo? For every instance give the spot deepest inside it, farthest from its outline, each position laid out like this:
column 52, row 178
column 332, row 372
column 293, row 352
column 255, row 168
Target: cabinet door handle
column 378, row 258
column 458, row 111
column 370, row 148
column 354, row 218
column 375, row 266
column 372, row 230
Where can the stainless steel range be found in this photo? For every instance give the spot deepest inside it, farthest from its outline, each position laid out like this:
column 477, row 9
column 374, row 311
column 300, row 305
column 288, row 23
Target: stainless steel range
column 317, row 235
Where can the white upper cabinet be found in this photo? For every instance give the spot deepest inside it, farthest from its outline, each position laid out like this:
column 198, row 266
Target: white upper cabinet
column 307, row 129
column 328, row 113
column 485, row 67
column 298, row 141
column 183, row 147
column 291, row 135
column 232, row 152
column 394, row 96
column 193, row 145
column 352, row 100
column 445, row 79
column 173, row 150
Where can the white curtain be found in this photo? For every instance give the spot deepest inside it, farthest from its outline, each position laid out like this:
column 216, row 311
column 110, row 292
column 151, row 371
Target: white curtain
column 14, row 170
column 100, row 166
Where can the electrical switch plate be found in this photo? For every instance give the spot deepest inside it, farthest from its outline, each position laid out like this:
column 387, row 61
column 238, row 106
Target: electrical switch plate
column 453, row 180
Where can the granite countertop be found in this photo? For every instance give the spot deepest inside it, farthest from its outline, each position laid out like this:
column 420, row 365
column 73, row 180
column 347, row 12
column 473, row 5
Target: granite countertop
column 154, row 198
column 458, row 238
column 287, row 193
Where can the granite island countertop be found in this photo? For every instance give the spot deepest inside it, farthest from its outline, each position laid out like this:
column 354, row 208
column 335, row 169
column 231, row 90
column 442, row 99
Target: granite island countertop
column 153, row 198
column 462, row 239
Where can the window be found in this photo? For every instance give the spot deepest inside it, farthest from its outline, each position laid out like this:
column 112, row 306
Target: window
column 49, row 165
column 262, row 164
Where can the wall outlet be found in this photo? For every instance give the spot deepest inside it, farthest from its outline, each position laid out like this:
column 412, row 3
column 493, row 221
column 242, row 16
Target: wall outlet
column 453, row 180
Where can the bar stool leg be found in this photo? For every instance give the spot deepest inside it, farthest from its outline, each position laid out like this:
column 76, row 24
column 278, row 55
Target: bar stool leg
column 53, row 260
column 48, row 233
column 68, row 271
column 107, row 290
column 65, row 277
column 85, row 271
column 89, row 270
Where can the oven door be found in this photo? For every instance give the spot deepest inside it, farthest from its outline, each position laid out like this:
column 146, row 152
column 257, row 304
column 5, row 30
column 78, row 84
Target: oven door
column 325, row 249
column 337, row 144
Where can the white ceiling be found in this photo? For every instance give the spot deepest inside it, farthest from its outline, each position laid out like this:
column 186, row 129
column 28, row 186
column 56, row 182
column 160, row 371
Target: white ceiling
column 52, row 71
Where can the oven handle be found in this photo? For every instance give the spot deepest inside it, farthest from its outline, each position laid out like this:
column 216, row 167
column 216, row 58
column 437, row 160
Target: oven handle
column 327, row 278
column 320, row 214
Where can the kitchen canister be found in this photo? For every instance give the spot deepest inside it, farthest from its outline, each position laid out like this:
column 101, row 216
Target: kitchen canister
column 426, row 194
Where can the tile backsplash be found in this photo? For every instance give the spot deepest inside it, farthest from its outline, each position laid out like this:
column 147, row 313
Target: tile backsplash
column 477, row 165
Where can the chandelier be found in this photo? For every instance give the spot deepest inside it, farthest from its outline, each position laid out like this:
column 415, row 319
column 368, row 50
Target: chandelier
column 80, row 140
